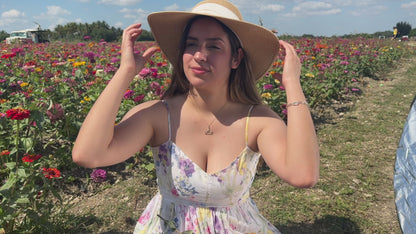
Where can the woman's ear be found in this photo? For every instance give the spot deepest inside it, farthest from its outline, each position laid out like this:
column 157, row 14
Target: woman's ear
column 235, row 62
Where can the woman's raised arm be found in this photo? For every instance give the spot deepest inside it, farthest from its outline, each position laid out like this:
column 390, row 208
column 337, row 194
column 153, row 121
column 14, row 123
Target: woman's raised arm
column 292, row 152
column 99, row 141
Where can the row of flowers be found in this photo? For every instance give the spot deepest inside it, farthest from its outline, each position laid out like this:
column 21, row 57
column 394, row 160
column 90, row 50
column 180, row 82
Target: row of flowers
column 46, row 90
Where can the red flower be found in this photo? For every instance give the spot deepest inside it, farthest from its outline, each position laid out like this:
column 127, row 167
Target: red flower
column 51, row 173
column 7, row 56
column 31, row 157
column 18, row 113
column 5, row 152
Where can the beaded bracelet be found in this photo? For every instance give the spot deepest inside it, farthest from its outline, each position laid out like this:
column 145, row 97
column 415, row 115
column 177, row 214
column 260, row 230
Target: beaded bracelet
column 297, row 103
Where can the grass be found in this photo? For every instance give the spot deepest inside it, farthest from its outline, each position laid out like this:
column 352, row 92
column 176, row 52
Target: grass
column 355, row 191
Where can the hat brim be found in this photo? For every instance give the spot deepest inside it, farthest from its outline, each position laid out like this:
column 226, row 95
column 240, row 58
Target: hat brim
column 260, row 44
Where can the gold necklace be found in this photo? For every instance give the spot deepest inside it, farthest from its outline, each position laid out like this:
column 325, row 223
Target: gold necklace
column 209, row 131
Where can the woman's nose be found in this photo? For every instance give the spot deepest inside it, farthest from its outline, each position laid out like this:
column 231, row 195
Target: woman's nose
column 200, row 55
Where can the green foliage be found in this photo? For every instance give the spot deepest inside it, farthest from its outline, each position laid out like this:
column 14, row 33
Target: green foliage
column 403, row 28
column 95, row 31
column 3, row 35
column 412, row 32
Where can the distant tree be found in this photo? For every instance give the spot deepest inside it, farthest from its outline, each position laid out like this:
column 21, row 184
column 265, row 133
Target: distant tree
column 3, row 35
column 308, row 36
column 385, row 34
column 81, row 31
column 412, row 33
column 146, row 36
column 403, row 28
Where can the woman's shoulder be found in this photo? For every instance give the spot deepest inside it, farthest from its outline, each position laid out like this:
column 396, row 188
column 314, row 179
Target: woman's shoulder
column 262, row 110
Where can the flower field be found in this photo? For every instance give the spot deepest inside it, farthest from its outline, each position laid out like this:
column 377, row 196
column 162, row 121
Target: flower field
column 46, row 90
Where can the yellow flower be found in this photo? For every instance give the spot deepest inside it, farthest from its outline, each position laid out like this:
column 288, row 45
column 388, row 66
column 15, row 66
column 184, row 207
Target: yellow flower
column 82, row 102
column 23, row 84
column 313, row 57
column 71, row 60
column 38, row 69
column 87, row 99
column 76, row 64
column 310, row 75
column 266, row 95
column 277, row 81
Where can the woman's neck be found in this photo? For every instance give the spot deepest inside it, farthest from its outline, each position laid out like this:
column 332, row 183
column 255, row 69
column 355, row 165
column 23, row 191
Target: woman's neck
column 207, row 103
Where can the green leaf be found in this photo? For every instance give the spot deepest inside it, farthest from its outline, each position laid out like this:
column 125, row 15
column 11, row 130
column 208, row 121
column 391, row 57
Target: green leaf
column 22, row 172
column 9, row 183
column 22, row 200
column 149, row 166
column 11, row 165
column 27, row 143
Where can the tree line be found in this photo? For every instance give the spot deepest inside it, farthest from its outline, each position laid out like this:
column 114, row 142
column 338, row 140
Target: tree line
column 100, row 30
column 95, row 31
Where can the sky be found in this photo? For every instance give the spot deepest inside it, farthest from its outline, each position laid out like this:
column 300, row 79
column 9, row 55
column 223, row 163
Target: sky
column 288, row 17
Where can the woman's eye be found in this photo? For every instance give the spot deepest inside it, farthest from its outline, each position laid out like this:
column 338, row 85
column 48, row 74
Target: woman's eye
column 190, row 44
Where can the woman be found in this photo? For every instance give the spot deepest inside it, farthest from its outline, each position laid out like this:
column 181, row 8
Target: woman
column 210, row 128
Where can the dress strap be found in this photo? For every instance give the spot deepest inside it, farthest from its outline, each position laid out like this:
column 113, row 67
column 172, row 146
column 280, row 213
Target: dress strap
column 169, row 122
column 248, row 117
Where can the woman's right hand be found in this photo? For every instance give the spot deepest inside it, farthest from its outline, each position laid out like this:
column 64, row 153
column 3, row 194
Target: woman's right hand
column 133, row 62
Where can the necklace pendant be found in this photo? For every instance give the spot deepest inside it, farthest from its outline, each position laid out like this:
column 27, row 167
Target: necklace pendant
column 208, row 132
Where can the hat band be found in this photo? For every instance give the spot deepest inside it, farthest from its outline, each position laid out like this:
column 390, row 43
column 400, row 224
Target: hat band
column 215, row 10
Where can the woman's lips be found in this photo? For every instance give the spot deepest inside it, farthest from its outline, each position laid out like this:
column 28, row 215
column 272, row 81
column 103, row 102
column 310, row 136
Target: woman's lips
column 199, row 70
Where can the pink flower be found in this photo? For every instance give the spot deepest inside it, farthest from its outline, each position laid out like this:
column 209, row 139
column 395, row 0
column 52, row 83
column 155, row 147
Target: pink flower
column 268, row 87
column 144, row 72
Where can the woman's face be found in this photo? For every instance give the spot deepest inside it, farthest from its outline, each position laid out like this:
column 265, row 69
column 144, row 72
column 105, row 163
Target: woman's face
column 207, row 59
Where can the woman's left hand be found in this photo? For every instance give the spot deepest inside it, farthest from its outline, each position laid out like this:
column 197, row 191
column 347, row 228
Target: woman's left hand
column 291, row 68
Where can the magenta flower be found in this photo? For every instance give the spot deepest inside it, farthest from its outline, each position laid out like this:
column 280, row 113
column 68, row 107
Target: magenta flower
column 128, row 94
column 268, row 87
column 99, row 175
column 139, row 98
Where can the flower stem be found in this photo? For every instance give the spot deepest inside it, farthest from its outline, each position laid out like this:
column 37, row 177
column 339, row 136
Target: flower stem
column 17, row 142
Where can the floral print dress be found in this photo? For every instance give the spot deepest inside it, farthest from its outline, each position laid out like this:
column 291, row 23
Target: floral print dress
column 190, row 200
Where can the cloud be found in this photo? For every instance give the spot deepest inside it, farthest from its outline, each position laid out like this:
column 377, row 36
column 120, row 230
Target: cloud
column 272, row 8
column 257, row 7
column 409, row 5
column 138, row 15
column 55, row 11
column 313, row 8
column 119, row 25
column 12, row 17
column 369, row 10
column 12, row 14
column 173, row 7
column 54, row 15
column 120, row 2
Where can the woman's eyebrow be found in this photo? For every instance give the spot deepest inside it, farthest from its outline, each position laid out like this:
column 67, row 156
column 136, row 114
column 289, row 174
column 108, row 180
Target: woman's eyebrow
column 208, row 39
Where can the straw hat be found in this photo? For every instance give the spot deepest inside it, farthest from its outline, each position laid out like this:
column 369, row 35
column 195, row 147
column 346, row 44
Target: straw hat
column 260, row 44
